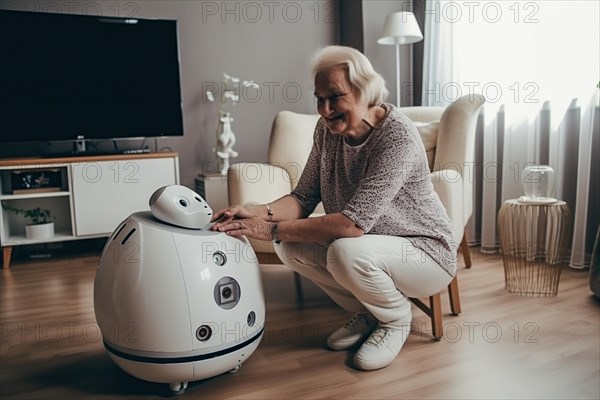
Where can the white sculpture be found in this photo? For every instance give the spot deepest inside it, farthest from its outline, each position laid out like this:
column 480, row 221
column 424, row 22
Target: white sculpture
column 225, row 137
column 225, row 141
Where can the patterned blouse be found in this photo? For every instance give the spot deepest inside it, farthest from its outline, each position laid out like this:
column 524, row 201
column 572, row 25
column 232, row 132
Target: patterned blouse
column 383, row 185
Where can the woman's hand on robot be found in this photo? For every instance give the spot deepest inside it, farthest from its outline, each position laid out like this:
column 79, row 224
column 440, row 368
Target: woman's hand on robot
column 226, row 215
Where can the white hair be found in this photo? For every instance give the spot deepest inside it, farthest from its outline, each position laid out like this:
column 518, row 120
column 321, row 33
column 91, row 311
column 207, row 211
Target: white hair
column 361, row 74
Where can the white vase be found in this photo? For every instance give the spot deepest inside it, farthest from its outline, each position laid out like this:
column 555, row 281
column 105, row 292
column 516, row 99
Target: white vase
column 39, row 231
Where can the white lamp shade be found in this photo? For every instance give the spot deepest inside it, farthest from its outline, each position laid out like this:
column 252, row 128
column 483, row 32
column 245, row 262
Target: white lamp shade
column 400, row 28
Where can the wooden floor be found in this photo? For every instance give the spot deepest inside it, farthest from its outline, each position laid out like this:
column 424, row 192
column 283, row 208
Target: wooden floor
column 501, row 346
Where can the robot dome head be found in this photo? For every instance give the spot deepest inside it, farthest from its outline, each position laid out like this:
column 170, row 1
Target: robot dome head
column 180, row 206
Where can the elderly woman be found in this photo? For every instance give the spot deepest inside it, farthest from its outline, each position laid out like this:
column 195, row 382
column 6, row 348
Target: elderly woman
column 385, row 236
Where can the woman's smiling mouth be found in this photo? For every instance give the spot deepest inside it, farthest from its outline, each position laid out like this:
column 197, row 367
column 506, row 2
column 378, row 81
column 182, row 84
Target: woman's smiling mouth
column 339, row 117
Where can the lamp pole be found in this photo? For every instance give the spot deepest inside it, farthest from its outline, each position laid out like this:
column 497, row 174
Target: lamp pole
column 397, row 74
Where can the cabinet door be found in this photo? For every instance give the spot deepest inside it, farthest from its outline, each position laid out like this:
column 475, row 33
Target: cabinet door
column 107, row 192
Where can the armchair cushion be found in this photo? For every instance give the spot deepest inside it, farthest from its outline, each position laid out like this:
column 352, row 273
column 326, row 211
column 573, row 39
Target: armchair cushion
column 428, row 132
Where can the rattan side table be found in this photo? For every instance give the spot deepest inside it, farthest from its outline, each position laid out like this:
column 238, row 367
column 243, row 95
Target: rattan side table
column 533, row 239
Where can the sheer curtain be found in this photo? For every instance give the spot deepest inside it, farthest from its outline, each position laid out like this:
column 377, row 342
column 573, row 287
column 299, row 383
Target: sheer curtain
column 537, row 64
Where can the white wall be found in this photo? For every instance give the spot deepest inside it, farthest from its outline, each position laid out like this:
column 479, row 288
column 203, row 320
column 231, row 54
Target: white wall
column 269, row 42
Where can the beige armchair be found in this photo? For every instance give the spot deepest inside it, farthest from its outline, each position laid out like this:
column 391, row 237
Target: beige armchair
column 449, row 138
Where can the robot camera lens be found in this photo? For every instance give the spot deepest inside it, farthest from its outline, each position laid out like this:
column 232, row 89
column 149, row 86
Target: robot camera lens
column 203, row 333
column 183, row 202
column 227, row 293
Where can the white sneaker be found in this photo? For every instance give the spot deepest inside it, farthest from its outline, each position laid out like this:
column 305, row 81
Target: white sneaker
column 356, row 330
column 382, row 347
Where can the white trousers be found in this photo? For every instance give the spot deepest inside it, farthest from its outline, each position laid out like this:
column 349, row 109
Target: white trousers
column 374, row 273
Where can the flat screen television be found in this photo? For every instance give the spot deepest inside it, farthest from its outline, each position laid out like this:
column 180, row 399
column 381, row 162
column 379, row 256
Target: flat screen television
column 74, row 77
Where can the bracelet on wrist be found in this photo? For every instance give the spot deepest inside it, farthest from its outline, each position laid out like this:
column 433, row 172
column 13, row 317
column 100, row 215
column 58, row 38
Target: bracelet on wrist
column 269, row 212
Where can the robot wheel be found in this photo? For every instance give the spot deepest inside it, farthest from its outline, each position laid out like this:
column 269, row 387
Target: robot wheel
column 178, row 387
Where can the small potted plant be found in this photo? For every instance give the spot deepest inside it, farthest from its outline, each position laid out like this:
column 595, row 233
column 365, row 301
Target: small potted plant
column 41, row 224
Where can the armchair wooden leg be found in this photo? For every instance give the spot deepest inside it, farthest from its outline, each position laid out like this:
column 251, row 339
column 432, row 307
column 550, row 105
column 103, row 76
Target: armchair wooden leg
column 454, row 296
column 464, row 248
column 435, row 304
column 434, row 311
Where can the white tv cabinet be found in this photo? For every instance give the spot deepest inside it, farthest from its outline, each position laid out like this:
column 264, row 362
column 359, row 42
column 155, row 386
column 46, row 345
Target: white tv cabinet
column 91, row 197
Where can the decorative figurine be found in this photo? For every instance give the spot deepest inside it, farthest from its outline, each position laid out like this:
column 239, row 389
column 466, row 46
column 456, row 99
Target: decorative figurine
column 225, row 137
column 225, row 142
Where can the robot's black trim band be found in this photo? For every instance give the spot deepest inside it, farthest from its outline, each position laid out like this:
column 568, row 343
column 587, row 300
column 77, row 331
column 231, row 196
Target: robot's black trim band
column 186, row 359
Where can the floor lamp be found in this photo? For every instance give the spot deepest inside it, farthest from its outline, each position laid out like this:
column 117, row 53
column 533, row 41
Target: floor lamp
column 400, row 28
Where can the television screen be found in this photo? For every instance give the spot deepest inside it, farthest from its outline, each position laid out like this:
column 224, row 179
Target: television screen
column 65, row 76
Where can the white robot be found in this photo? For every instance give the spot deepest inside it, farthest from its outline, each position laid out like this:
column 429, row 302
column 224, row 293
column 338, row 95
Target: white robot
column 175, row 301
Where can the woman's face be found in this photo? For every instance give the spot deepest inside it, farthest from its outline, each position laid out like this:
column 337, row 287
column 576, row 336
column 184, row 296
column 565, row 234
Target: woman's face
column 339, row 103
